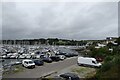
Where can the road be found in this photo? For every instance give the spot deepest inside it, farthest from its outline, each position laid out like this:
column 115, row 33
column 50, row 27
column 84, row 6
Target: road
column 45, row 69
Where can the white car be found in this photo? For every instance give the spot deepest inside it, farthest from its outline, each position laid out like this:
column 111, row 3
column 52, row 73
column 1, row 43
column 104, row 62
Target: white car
column 22, row 57
column 37, row 56
column 13, row 57
column 4, row 56
column 28, row 56
column 28, row 63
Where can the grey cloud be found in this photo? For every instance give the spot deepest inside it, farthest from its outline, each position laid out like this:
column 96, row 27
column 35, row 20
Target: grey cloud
column 63, row 20
column 0, row 20
column 119, row 18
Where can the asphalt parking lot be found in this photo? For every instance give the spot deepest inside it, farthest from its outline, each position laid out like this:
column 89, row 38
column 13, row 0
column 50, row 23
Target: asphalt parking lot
column 47, row 68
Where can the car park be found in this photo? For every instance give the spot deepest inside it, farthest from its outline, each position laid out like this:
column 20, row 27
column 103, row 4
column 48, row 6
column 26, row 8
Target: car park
column 38, row 62
column 18, row 56
column 28, row 63
column 69, row 76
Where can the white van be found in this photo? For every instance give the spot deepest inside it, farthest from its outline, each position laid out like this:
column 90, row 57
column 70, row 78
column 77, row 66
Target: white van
column 86, row 61
column 28, row 63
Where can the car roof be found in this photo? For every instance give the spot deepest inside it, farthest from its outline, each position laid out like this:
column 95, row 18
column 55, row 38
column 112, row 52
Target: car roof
column 87, row 58
column 27, row 60
column 37, row 59
column 69, row 75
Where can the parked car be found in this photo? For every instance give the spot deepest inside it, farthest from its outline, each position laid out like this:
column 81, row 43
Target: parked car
column 75, row 54
column 28, row 56
column 15, row 63
column 13, row 57
column 69, row 54
column 22, row 56
column 37, row 56
column 86, row 61
column 55, row 58
column 47, row 59
column 62, row 57
column 69, row 76
column 18, row 62
column 60, row 53
column 9, row 55
column 64, row 53
column 28, row 63
column 99, row 59
column 38, row 62
column 4, row 57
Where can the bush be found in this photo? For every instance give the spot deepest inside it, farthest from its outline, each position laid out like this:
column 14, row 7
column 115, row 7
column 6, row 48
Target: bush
column 109, row 62
column 110, row 67
column 116, row 60
column 108, row 58
column 102, row 52
column 106, row 66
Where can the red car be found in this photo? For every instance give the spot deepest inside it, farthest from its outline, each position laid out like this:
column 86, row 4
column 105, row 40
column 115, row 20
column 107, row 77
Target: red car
column 99, row 59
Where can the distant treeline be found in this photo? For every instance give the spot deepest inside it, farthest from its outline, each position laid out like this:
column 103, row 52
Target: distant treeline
column 118, row 41
column 49, row 41
column 54, row 41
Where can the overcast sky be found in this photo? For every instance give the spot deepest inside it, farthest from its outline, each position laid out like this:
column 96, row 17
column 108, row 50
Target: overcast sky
column 66, row 20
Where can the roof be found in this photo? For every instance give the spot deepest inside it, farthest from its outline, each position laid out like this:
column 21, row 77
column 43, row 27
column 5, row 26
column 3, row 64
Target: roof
column 69, row 74
column 87, row 58
column 27, row 60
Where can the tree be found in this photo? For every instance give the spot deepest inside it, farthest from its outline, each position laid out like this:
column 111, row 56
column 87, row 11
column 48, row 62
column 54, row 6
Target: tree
column 118, row 41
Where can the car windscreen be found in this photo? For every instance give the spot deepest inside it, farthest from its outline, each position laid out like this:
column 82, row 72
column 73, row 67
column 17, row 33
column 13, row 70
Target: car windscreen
column 38, row 61
column 95, row 62
column 30, row 62
column 75, row 78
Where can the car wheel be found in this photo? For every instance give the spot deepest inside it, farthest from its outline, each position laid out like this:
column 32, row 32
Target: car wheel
column 80, row 64
column 23, row 65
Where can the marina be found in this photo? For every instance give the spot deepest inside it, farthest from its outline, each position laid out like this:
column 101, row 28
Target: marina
column 14, row 54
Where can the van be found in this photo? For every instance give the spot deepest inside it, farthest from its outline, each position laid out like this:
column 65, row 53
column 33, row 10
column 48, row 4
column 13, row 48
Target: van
column 28, row 63
column 87, row 61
